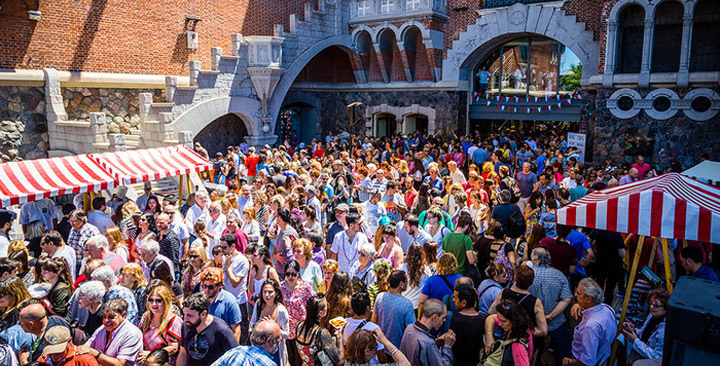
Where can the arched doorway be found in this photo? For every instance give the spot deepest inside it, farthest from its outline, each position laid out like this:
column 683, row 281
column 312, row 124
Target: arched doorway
column 297, row 123
column 224, row 131
column 415, row 122
column 385, row 124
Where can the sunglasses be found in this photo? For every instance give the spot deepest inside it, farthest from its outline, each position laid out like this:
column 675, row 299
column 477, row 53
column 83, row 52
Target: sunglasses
column 223, row 247
column 170, row 213
column 291, row 274
column 209, row 287
column 154, row 301
column 214, row 210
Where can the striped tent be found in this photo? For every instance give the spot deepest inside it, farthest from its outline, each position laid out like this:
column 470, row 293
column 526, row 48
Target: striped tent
column 670, row 206
column 31, row 180
column 134, row 166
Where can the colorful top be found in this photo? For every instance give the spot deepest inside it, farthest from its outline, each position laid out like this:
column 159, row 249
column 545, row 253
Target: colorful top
column 245, row 355
column 295, row 302
column 153, row 340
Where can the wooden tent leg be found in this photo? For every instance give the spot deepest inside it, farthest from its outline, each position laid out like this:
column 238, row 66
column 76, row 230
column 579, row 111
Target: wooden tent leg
column 180, row 192
column 92, row 198
column 86, row 202
column 190, row 187
column 626, row 301
column 666, row 260
column 652, row 253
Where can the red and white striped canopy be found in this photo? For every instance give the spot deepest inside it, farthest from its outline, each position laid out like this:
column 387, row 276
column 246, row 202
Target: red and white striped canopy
column 26, row 181
column 670, row 206
column 136, row 166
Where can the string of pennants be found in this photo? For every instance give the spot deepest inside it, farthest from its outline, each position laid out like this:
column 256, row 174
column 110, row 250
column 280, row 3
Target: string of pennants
column 562, row 100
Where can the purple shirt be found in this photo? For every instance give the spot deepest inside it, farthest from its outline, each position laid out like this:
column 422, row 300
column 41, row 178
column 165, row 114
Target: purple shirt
column 125, row 342
column 319, row 256
column 594, row 335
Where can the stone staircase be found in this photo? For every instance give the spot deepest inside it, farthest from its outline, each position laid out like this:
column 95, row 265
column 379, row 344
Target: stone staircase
column 251, row 70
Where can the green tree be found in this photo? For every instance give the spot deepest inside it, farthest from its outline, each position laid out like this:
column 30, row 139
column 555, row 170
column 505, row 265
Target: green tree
column 571, row 81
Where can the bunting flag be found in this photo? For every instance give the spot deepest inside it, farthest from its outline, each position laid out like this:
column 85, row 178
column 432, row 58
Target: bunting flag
column 491, row 101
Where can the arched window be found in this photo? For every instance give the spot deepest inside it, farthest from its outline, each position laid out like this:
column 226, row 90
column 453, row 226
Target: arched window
column 705, row 49
column 387, row 48
column 667, row 37
column 630, row 39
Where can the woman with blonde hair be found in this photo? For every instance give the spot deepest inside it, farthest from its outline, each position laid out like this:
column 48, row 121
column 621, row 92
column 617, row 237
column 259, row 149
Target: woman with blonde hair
column 12, row 293
column 310, row 271
column 117, row 243
column 161, row 327
column 441, row 284
column 250, row 225
column 382, row 268
column 329, row 268
column 129, row 212
column 487, row 168
column 197, row 261
column 133, row 278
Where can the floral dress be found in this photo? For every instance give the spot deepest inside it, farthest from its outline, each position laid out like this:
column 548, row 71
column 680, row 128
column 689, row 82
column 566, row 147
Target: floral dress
column 295, row 302
column 534, row 219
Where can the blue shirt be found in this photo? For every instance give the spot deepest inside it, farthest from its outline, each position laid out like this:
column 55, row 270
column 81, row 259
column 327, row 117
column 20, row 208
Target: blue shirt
column 122, row 292
column 436, row 288
column 487, row 292
column 540, row 163
column 17, row 339
column 245, row 355
column 479, row 156
column 435, row 183
column 581, row 243
column 706, row 273
column 226, row 308
column 394, row 314
column 594, row 335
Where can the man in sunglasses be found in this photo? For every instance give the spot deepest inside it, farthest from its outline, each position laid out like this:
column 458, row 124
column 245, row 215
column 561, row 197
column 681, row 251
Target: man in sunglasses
column 236, row 268
column 117, row 342
column 223, row 305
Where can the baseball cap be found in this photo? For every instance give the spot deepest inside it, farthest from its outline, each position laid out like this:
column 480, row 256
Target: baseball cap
column 343, row 207
column 56, row 339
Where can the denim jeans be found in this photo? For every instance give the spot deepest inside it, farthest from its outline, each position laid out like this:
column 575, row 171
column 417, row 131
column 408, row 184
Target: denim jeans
column 561, row 342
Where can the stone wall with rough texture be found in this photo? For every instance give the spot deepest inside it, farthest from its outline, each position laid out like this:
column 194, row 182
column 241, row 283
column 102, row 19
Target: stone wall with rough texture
column 450, row 107
column 23, row 128
column 119, row 105
column 678, row 138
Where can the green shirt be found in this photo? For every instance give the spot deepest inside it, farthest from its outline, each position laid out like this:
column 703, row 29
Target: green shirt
column 458, row 244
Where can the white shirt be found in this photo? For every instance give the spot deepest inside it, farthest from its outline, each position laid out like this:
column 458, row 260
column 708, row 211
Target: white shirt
column 239, row 266
column 215, row 228
column 4, row 245
column 458, row 177
column 568, row 183
column 100, row 220
column 181, row 231
column 43, row 210
column 193, row 214
column 347, row 252
column 68, row 253
column 373, row 213
column 146, row 267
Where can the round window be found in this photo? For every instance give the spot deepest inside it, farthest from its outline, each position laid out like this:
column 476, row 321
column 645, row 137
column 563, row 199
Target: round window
column 701, row 104
column 625, row 103
column 661, row 103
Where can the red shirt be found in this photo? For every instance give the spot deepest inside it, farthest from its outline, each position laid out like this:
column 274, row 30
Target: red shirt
column 562, row 254
column 251, row 163
column 318, row 153
column 73, row 360
column 242, row 240
column 410, row 198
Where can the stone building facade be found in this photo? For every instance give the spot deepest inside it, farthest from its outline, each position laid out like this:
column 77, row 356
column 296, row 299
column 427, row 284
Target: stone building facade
column 133, row 74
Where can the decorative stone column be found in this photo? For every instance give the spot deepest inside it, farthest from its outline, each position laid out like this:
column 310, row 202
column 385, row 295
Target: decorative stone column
column 236, row 41
column 644, row 78
column 171, row 84
column 54, row 106
column 146, row 100
column 683, row 79
column 98, row 127
column 194, row 67
column 186, row 138
column 610, row 54
column 215, row 54
column 265, row 70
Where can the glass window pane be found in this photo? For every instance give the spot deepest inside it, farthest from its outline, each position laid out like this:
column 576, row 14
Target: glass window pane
column 514, row 67
column 543, row 68
column 667, row 37
column 570, row 70
column 630, row 39
column 705, row 49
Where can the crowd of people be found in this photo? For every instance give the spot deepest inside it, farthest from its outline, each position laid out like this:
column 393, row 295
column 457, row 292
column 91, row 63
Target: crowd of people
column 409, row 250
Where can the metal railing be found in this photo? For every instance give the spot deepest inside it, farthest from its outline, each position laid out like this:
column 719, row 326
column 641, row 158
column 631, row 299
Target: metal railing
column 503, row 3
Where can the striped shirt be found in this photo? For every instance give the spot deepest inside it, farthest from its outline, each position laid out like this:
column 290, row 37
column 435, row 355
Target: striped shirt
column 77, row 239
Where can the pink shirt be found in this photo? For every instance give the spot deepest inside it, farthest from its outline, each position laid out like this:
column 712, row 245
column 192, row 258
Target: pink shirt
column 642, row 169
column 521, row 355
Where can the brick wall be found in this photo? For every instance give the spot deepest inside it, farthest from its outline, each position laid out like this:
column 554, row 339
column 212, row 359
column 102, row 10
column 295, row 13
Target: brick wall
column 130, row 36
column 330, row 65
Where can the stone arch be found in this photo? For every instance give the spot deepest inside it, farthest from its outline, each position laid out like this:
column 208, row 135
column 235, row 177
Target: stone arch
column 546, row 20
column 412, row 23
column 621, row 4
column 383, row 28
column 343, row 41
column 400, row 113
column 363, row 28
column 202, row 114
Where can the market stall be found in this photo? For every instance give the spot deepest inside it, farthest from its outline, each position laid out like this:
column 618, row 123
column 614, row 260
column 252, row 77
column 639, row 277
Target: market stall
column 670, row 206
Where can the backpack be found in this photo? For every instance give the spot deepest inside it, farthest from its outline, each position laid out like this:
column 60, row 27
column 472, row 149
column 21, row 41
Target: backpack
column 502, row 259
column 502, row 350
column 516, row 225
column 511, row 185
column 358, row 284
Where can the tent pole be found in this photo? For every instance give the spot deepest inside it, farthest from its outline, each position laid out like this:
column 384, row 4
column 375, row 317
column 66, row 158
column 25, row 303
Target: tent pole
column 85, row 202
column 180, row 191
column 666, row 260
column 92, row 198
column 628, row 291
column 652, row 253
column 189, row 185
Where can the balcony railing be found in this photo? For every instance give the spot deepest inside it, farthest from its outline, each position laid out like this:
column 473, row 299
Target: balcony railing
column 503, row 3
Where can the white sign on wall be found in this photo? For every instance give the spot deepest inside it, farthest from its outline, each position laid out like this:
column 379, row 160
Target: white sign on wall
column 577, row 140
